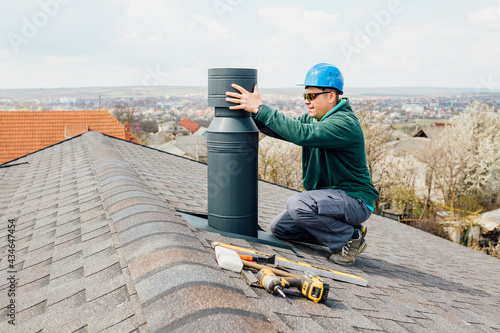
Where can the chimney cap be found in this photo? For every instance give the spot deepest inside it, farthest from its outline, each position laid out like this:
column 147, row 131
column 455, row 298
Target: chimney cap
column 220, row 80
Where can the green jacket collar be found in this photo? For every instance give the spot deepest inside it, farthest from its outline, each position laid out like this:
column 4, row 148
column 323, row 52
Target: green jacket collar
column 342, row 101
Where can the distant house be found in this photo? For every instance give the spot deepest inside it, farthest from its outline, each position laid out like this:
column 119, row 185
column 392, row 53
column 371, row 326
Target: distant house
column 430, row 132
column 23, row 132
column 192, row 127
column 396, row 134
column 171, row 148
column 201, row 131
column 156, row 139
column 172, row 128
column 414, row 108
column 192, row 146
column 418, row 145
column 492, row 216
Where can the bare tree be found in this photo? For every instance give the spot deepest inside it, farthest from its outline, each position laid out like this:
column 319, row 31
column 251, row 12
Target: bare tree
column 465, row 160
column 402, row 182
column 149, row 126
column 125, row 112
column 378, row 157
column 139, row 126
column 280, row 162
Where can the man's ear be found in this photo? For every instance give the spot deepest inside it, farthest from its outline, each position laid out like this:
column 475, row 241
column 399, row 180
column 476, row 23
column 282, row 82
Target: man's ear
column 333, row 97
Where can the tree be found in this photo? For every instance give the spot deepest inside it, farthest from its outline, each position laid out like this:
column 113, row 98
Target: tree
column 464, row 161
column 400, row 186
column 149, row 126
column 139, row 126
column 125, row 112
column 280, row 162
column 378, row 156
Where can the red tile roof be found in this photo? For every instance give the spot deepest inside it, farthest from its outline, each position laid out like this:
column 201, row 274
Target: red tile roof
column 23, row 132
column 192, row 127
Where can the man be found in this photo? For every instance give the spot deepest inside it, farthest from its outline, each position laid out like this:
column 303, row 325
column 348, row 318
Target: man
column 339, row 194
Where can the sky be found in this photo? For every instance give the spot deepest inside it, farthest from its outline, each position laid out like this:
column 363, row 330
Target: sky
column 387, row 43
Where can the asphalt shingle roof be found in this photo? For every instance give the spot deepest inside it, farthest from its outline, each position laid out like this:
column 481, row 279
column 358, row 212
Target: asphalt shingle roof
column 100, row 246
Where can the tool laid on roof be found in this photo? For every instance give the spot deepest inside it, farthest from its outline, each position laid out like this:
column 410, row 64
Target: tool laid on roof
column 277, row 271
column 258, row 259
column 300, row 266
column 270, row 282
column 249, row 278
column 309, row 285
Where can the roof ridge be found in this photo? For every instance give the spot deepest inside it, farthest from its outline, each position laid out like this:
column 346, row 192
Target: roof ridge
column 152, row 242
column 109, row 168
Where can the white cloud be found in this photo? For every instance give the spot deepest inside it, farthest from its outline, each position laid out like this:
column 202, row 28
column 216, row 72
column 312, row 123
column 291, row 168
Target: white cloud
column 430, row 54
column 170, row 35
column 65, row 60
column 299, row 27
column 57, row 75
column 6, row 53
column 291, row 40
column 396, row 55
column 131, row 36
column 154, row 39
column 295, row 20
column 178, row 40
column 144, row 19
column 212, row 30
column 488, row 17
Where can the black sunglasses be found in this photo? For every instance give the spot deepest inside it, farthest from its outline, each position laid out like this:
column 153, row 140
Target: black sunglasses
column 312, row 96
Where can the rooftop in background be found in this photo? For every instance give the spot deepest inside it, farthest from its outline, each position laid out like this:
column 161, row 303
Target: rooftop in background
column 23, row 132
column 431, row 133
column 100, row 246
column 192, row 127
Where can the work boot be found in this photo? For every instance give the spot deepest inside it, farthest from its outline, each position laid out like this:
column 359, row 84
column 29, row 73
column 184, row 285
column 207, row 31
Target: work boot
column 363, row 243
column 347, row 255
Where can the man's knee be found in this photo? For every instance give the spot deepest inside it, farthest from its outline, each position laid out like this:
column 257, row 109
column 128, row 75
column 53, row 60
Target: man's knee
column 272, row 227
column 291, row 205
column 280, row 223
column 298, row 207
column 280, row 228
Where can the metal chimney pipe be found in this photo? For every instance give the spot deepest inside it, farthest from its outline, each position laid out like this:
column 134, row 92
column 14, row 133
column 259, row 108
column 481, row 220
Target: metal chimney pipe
column 232, row 143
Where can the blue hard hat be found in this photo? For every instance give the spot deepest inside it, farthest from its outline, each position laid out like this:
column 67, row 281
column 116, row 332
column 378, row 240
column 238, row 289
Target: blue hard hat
column 325, row 76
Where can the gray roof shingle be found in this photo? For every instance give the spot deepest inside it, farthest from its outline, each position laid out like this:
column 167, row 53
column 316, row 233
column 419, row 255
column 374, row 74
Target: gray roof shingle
column 100, row 247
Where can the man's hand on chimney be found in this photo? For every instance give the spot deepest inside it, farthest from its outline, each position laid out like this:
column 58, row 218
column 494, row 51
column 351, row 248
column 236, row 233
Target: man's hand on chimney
column 247, row 101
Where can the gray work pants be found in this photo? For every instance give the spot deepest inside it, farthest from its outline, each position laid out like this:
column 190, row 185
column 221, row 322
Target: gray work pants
column 326, row 217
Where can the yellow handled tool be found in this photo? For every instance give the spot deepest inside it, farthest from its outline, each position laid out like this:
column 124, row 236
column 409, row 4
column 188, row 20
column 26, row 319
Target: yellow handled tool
column 310, row 286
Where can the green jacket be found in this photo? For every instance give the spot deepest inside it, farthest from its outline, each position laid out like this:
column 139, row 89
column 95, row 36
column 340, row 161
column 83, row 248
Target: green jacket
column 333, row 149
